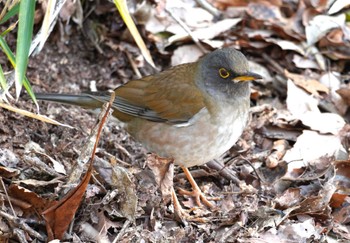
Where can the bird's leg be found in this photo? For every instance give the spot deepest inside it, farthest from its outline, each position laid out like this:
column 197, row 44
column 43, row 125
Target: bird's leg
column 179, row 212
column 196, row 191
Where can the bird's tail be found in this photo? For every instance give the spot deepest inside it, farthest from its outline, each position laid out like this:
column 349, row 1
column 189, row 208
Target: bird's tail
column 89, row 101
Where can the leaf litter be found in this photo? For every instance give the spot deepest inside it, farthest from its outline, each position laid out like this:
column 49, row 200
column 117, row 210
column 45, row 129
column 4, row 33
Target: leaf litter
column 291, row 167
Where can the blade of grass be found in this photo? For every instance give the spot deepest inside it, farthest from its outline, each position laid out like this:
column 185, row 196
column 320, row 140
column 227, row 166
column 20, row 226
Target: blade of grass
column 10, row 28
column 33, row 115
column 25, row 32
column 6, row 49
column 12, row 12
column 3, row 82
column 124, row 13
column 52, row 10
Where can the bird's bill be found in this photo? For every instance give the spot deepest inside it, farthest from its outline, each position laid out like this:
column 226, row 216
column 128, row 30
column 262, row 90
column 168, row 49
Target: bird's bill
column 249, row 76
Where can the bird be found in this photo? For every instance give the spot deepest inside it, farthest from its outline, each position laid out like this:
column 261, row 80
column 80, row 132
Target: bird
column 190, row 113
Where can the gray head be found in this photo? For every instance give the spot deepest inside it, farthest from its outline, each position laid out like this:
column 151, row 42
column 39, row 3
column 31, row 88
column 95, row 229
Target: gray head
column 225, row 71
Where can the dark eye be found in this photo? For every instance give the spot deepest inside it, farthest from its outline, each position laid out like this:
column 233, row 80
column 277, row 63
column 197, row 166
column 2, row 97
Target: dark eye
column 224, row 73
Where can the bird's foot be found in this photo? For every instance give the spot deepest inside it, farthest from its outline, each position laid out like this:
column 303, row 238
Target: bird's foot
column 196, row 192
column 198, row 196
column 182, row 215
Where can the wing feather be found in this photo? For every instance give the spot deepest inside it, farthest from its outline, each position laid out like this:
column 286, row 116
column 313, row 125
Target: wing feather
column 158, row 98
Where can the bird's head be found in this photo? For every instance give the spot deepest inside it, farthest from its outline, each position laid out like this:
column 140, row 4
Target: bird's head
column 225, row 71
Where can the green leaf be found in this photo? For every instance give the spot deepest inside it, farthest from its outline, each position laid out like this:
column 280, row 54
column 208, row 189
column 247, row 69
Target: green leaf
column 347, row 15
column 3, row 82
column 6, row 49
column 10, row 28
column 24, row 37
column 12, row 12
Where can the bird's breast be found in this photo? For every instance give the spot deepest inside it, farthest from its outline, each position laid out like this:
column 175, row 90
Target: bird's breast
column 207, row 135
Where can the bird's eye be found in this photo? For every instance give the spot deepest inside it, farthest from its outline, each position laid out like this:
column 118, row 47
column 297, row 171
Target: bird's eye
column 224, row 73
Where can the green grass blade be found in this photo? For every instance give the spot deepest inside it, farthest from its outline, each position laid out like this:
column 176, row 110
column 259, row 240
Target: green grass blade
column 10, row 28
column 6, row 49
column 3, row 82
column 12, row 12
column 24, row 37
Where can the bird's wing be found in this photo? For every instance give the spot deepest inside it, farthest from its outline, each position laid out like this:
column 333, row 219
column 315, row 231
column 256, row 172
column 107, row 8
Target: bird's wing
column 170, row 96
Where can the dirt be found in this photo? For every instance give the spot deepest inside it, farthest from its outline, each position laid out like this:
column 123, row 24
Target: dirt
column 246, row 188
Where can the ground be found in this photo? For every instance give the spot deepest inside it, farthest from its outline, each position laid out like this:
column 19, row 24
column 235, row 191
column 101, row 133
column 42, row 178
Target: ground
column 262, row 194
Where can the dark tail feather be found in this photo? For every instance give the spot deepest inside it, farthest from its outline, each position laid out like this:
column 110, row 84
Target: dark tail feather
column 83, row 100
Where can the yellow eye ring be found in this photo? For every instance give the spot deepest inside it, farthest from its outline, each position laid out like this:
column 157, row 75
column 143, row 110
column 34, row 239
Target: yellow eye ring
column 224, row 73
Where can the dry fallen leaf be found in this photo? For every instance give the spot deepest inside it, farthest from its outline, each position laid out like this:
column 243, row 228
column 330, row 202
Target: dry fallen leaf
column 277, row 152
column 121, row 200
column 207, row 33
column 345, row 94
column 287, row 45
column 304, row 62
column 299, row 101
column 23, row 196
column 310, row 85
column 185, row 54
column 163, row 170
column 333, row 122
column 333, row 82
column 290, row 198
column 338, row 5
column 320, row 25
column 311, row 146
column 60, row 214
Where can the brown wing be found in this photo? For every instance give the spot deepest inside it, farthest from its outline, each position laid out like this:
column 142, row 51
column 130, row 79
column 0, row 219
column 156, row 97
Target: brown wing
column 169, row 96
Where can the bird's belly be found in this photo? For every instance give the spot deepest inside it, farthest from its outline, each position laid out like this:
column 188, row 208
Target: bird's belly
column 195, row 144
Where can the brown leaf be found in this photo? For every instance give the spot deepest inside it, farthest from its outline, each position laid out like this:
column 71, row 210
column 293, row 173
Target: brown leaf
column 310, row 85
column 342, row 177
column 277, row 152
column 342, row 215
column 7, row 172
column 291, row 197
column 264, row 11
column 337, row 200
column 163, row 169
column 128, row 202
column 272, row 174
column 345, row 94
column 61, row 213
column 27, row 200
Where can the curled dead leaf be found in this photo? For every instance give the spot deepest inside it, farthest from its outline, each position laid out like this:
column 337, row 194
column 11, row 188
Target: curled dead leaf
column 163, row 169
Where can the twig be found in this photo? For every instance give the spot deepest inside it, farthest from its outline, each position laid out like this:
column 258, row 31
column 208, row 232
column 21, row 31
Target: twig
column 311, row 178
column 230, row 232
column 275, row 64
column 20, row 223
column 189, row 32
column 122, row 231
column 210, row 8
column 279, row 84
column 133, row 64
column 7, row 196
column 195, row 174
column 256, row 172
column 223, row 171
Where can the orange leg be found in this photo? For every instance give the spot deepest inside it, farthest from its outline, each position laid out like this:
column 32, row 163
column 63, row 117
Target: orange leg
column 196, row 192
column 179, row 212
